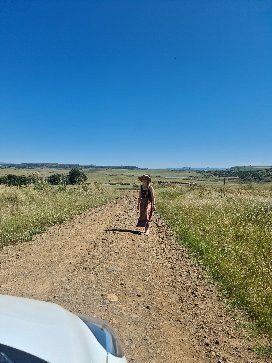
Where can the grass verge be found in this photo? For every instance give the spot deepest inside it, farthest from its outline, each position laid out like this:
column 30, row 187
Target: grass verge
column 27, row 211
column 230, row 232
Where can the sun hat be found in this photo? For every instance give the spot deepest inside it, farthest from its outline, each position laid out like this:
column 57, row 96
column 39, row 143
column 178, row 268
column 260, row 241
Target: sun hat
column 146, row 177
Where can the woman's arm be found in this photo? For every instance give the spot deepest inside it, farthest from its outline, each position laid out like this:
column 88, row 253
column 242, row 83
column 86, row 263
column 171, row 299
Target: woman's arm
column 139, row 199
column 152, row 198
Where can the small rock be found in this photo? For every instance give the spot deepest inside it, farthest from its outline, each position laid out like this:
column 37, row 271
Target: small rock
column 112, row 297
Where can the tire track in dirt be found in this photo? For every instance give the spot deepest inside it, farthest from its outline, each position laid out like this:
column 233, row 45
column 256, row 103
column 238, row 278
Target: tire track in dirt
column 147, row 288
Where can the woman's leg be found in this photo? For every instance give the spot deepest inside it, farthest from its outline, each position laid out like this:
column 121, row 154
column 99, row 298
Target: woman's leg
column 142, row 216
column 148, row 217
column 146, row 231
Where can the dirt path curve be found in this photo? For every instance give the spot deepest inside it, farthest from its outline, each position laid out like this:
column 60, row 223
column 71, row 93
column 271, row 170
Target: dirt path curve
column 145, row 287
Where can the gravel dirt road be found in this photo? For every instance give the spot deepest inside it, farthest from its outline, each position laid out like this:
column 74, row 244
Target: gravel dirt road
column 146, row 288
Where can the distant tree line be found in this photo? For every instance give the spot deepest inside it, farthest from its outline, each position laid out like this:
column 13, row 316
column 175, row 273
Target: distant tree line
column 253, row 175
column 75, row 176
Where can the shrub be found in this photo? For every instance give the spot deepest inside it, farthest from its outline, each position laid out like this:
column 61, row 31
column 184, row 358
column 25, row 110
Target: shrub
column 15, row 180
column 76, row 176
column 56, row 179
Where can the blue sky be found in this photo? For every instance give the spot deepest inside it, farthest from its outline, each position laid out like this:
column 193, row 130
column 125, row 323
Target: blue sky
column 146, row 83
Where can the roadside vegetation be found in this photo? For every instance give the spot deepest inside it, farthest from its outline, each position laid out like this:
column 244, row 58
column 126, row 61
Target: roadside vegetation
column 229, row 230
column 26, row 211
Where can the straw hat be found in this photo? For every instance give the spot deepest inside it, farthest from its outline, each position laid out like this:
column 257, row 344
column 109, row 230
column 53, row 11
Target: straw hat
column 145, row 177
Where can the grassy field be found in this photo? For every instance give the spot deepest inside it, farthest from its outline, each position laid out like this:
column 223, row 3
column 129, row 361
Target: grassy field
column 128, row 179
column 29, row 210
column 230, row 231
column 122, row 177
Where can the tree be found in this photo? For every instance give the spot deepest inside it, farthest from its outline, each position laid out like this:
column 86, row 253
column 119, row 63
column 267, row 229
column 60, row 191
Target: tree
column 57, row 179
column 76, row 176
column 15, row 180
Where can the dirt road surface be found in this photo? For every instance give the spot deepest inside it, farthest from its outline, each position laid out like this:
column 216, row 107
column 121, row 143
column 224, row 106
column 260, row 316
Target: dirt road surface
column 146, row 288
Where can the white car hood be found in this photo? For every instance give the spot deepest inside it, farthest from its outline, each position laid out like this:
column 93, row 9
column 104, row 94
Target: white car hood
column 47, row 331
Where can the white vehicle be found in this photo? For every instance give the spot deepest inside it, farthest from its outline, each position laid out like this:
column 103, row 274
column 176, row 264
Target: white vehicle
column 33, row 331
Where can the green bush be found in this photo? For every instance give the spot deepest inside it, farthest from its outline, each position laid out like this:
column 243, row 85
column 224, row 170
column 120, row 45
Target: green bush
column 76, row 176
column 15, row 180
column 57, row 179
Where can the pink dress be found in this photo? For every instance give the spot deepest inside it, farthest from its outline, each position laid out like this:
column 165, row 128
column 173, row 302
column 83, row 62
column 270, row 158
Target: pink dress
column 145, row 208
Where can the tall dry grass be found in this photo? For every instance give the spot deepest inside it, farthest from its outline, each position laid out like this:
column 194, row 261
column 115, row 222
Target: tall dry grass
column 230, row 231
column 29, row 210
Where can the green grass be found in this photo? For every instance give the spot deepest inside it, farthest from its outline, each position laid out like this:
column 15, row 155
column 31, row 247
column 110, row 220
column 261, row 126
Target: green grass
column 230, row 231
column 30, row 210
column 107, row 176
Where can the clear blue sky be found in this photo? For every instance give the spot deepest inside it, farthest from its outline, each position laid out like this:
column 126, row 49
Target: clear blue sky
column 136, row 82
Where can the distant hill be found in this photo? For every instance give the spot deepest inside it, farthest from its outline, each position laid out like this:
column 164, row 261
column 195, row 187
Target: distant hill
column 188, row 168
column 63, row 166
column 249, row 167
column 129, row 167
column 256, row 174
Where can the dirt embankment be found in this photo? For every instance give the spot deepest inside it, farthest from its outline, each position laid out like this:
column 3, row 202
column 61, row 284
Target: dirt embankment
column 147, row 288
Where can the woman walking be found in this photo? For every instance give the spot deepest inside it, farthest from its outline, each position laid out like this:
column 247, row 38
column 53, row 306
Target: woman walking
column 146, row 203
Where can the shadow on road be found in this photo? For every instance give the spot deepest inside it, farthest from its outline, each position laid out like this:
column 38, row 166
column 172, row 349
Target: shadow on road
column 122, row 230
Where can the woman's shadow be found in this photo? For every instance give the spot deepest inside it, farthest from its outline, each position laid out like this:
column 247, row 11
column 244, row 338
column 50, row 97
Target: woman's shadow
column 122, row 230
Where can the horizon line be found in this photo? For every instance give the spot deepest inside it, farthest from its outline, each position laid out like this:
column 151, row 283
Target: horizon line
column 132, row 166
